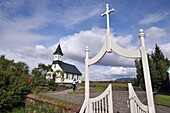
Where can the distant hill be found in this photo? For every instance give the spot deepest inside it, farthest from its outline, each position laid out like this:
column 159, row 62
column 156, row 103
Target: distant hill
column 123, row 79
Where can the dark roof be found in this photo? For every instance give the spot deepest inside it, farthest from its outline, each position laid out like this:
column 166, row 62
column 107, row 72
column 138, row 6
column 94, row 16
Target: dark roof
column 68, row 68
column 58, row 50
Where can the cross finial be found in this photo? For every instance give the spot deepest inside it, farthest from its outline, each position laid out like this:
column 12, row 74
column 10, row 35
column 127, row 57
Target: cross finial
column 107, row 13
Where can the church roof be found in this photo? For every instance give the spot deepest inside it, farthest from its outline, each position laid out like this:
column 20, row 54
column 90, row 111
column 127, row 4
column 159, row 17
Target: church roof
column 68, row 68
column 58, row 50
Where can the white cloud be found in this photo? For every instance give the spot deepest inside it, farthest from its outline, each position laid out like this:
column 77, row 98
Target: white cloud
column 154, row 33
column 16, row 30
column 165, row 48
column 77, row 13
column 28, row 55
column 107, row 73
column 153, row 18
column 74, row 47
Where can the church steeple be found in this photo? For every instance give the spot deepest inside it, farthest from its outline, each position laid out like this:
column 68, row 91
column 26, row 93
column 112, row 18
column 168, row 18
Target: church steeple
column 58, row 50
column 58, row 54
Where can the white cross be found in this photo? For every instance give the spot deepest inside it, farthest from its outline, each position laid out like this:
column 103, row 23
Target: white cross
column 107, row 13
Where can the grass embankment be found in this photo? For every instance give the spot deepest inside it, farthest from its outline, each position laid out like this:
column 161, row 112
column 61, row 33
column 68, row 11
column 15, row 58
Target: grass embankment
column 118, row 86
column 59, row 102
column 29, row 109
column 46, row 105
column 162, row 100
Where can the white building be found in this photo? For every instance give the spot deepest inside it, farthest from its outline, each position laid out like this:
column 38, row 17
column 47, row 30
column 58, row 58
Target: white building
column 70, row 71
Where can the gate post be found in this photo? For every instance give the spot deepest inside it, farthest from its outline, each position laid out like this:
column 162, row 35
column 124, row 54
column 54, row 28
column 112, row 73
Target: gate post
column 87, row 79
column 148, row 85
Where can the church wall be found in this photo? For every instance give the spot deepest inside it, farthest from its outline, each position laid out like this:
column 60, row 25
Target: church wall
column 56, row 67
column 68, row 80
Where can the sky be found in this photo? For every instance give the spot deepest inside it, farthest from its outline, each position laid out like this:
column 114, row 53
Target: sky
column 30, row 31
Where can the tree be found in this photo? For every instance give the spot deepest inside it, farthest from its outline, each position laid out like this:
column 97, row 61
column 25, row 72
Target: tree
column 13, row 82
column 57, row 74
column 162, row 65
column 40, row 73
column 158, row 65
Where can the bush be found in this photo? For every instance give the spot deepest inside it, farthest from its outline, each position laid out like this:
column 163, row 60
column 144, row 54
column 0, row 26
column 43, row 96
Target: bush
column 14, row 84
column 46, row 89
column 36, row 90
column 52, row 85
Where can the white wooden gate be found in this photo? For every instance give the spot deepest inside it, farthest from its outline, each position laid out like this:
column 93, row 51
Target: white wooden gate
column 100, row 104
column 136, row 106
column 96, row 104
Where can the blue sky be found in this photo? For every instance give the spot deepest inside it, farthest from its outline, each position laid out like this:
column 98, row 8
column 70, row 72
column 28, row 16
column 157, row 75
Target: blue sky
column 30, row 31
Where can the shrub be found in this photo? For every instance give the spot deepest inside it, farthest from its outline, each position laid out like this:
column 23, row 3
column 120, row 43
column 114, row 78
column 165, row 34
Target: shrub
column 14, row 84
column 52, row 85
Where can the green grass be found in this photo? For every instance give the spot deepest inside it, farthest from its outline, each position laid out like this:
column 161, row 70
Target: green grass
column 99, row 89
column 106, row 84
column 162, row 99
column 19, row 110
column 82, row 85
column 113, row 84
column 28, row 108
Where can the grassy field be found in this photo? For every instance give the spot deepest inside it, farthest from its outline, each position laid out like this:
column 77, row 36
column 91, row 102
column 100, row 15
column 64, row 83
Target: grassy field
column 162, row 99
column 106, row 84
column 100, row 89
column 113, row 84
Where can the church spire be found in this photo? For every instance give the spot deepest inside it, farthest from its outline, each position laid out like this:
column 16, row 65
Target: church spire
column 58, row 51
column 58, row 54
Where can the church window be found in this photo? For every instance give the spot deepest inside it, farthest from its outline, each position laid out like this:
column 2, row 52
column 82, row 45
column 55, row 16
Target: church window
column 54, row 65
column 66, row 76
column 72, row 76
column 77, row 77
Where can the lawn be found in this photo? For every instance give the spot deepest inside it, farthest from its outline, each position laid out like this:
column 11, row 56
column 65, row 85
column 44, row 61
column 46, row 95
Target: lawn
column 162, row 99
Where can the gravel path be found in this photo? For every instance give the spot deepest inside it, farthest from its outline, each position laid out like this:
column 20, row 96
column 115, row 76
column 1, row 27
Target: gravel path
column 119, row 99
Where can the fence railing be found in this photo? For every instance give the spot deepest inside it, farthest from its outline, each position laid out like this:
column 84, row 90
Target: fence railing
column 136, row 106
column 100, row 104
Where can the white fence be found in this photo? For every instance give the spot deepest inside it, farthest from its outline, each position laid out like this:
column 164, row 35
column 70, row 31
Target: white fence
column 136, row 105
column 100, row 104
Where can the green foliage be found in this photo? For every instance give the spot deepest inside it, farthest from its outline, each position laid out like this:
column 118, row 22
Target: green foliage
column 162, row 99
column 57, row 74
column 52, row 85
column 45, row 90
column 39, row 74
column 158, row 65
column 36, row 90
column 13, row 82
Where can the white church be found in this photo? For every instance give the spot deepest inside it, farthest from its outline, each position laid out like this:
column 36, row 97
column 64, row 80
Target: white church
column 70, row 71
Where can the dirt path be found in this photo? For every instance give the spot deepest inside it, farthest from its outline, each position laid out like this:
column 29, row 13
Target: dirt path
column 119, row 99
